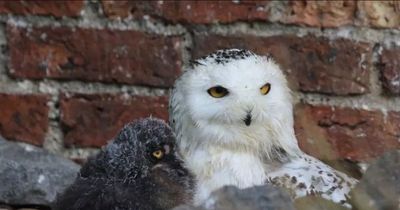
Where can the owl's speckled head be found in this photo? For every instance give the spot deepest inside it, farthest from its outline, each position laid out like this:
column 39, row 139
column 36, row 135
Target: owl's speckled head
column 234, row 94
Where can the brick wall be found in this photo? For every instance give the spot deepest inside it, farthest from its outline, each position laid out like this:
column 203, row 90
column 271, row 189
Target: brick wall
column 72, row 73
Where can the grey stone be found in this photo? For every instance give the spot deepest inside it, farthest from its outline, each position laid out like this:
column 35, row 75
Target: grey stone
column 187, row 207
column 2, row 140
column 316, row 203
column 31, row 175
column 264, row 197
column 4, row 207
column 380, row 186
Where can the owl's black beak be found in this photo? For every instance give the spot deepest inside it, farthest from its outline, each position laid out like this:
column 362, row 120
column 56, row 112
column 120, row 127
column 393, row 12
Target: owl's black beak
column 247, row 120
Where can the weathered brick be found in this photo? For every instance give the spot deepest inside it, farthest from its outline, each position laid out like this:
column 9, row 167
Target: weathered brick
column 37, row 7
column 189, row 11
column 338, row 67
column 92, row 120
column 390, row 70
column 345, row 133
column 380, row 14
column 320, row 13
column 24, row 117
column 106, row 55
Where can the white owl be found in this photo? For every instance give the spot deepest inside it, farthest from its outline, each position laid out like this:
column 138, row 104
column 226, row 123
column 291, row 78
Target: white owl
column 233, row 117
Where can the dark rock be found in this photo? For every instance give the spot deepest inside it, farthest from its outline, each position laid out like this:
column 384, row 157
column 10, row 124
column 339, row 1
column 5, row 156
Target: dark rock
column 316, row 203
column 187, row 207
column 264, row 197
column 31, row 175
column 380, row 186
column 4, row 207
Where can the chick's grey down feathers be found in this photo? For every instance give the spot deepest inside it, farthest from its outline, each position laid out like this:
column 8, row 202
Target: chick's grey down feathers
column 125, row 176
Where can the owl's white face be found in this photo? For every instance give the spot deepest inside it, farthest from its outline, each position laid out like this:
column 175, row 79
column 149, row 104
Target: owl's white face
column 243, row 102
column 243, row 93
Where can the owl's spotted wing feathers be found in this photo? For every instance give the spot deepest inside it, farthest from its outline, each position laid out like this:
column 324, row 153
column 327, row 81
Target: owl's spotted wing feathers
column 308, row 176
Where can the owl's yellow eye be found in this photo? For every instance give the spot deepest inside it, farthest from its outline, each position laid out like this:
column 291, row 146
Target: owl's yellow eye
column 218, row 92
column 265, row 89
column 158, row 154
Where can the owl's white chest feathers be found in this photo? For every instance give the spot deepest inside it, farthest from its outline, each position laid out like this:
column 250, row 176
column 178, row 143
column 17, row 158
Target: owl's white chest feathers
column 215, row 169
column 217, row 165
column 245, row 165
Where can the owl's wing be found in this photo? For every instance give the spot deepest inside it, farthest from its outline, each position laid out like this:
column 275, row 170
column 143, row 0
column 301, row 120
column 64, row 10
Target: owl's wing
column 308, row 176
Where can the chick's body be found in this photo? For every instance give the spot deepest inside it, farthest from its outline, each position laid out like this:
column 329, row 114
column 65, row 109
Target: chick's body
column 138, row 170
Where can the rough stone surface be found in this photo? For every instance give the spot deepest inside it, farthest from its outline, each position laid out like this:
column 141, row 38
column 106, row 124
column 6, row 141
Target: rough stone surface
column 4, row 207
column 264, row 197
column 129, row 57
column 189, row 11
column 33, row 207
column 37, row 7
column 316, row 203
column 345, row 133
column 380, row 14
column 30, row 175
column 320, row 13
column 390, row 70
column 24, row 117
column 379, row 188
column 349, row 167
column 92, row 120
column 312, row 64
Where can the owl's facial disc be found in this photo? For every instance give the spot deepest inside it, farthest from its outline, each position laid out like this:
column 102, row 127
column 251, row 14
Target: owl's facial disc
column 218, row 92
column 242, row 94
column 242, row 102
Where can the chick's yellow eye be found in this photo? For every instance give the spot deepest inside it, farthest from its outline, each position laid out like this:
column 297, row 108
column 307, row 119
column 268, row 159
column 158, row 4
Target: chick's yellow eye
column 218, row 92
column 265, row 89
column 158, row 154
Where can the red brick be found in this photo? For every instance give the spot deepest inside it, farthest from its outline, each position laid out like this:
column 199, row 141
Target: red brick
column 345, row 133
column 36, row 7
column 390, row 70
column 114, row 56
column 24, row 117
column 201, row 12
column 380, row 14
column 338, row 67
column 320, row 13
column 92, row 120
